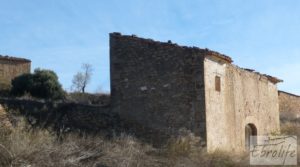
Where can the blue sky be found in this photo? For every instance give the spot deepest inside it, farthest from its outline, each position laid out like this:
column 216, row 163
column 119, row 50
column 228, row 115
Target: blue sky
column 62, row 34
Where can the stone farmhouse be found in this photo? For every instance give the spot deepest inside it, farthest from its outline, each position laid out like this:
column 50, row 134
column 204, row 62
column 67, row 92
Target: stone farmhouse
column 11, row 67
column 165, row 87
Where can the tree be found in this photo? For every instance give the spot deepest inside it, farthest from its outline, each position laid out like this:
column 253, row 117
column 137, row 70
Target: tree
column 40, row 84
column 83, row 78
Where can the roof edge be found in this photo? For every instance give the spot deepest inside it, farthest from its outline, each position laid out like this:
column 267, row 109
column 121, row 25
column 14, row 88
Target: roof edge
column 169, row 42
column 208, row 52
column 291, row 94
column 17, row 59
column 272, row 79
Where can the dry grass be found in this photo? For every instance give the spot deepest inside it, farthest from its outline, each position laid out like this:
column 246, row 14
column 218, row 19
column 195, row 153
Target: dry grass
column 292, row 128
column 41, row 148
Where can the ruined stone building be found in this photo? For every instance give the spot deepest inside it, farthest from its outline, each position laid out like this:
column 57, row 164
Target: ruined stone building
column 289, row 105
column 166, row 88
column 11, row 67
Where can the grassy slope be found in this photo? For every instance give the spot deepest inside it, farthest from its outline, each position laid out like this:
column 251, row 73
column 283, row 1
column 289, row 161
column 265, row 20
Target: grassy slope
column 40, row 148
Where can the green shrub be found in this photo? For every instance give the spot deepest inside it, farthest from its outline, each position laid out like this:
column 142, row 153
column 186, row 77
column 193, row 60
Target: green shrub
column 21, row 84
column 40, row 84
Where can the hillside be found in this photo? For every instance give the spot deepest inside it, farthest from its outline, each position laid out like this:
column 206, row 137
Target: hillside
column 43, row 147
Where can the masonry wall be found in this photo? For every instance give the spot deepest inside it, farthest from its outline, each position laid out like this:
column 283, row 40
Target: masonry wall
column 245, row 97
column 65, row 115
column 10, row 69
column 289, row 105
column 158, row 87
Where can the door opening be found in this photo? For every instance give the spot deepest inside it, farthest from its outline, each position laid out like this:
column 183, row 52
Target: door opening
column 250, row 130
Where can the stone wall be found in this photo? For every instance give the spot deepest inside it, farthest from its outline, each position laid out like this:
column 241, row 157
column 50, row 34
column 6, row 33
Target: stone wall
column 245, row 97
column 64, row 116
column 163, row 87
column 10, row 68
column 158, row 86
column 289, row 105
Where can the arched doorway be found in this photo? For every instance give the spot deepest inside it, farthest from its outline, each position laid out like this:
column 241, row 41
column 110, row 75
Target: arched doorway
column 250, row 130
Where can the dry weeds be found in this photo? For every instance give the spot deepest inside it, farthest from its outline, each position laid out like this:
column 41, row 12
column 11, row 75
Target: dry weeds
column 41, row 148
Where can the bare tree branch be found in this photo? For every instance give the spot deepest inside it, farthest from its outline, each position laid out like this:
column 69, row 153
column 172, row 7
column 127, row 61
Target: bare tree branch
column 83, row 78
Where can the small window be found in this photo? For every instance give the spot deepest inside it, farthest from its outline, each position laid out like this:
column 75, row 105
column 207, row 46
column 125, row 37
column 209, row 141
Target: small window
column 218, row 83
column 1, row 73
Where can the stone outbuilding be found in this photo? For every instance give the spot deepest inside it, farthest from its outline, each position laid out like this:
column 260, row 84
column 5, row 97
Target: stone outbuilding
column 289, row 106
column 11, row 67
column 164, row 87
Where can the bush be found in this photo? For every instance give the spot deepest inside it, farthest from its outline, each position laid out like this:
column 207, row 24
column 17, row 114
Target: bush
column 40, row 84
column 21, row 84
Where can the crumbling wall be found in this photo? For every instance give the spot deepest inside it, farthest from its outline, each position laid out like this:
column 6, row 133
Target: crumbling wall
column 245, row 97
column 289, row 105
column 163, row 87
column 11, row 69
column 157, row 86
column 64, row 116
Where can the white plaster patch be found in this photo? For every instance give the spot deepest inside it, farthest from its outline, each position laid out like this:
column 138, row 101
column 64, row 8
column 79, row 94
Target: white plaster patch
column 143, row 88
column 166, row 85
